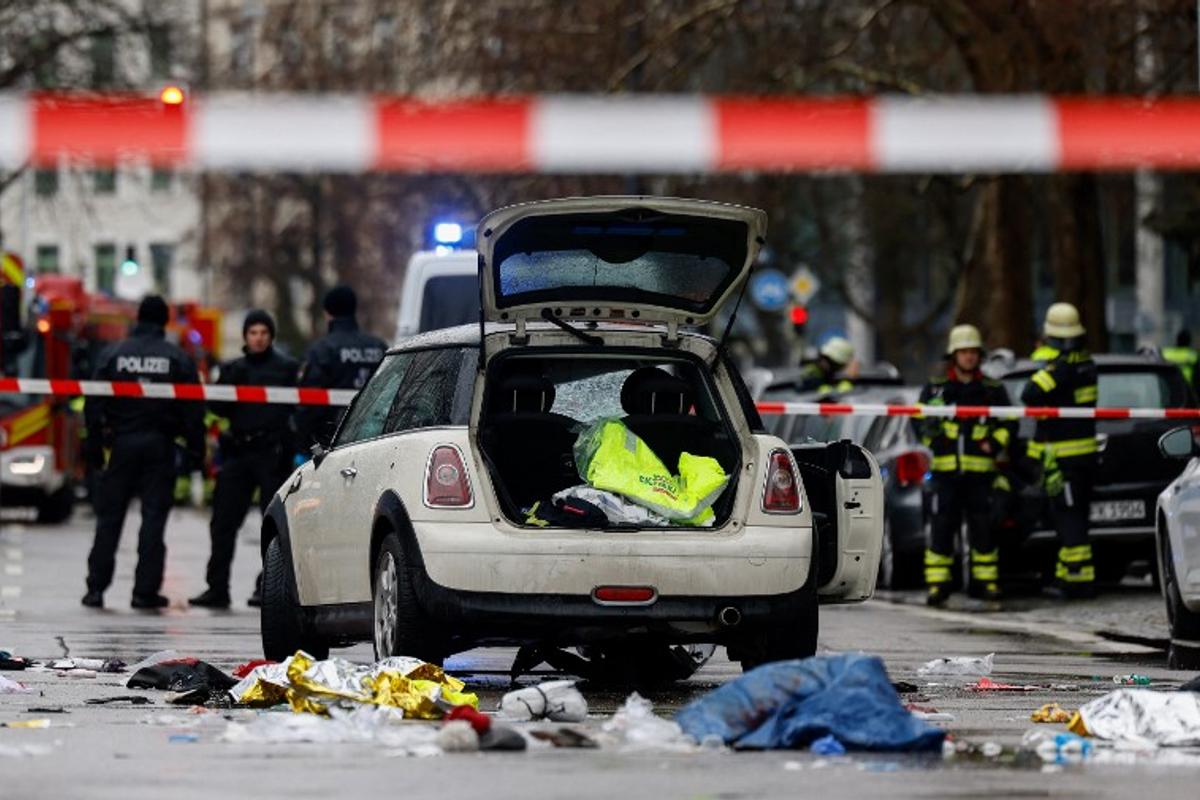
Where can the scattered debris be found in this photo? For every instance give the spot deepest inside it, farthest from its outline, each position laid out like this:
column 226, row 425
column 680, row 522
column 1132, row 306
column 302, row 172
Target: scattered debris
column 380, row 725
column 565, row 738
column 791, row 703
column 26, row 723
column 1131, row 680
column 132, row 699
column 92, row 665
column 1060, row 748
column 419, row 689
column 1191, row 686
column 46, row 710
column 11, row 663
column 8, row 686
column 1142, row 717
column 828, row 746
column 958, row 665
column 183, row 738
column 1053, row 713
column 558, row 701
column 635, row 725
column 989, row 685
column 197, row 679
column 904, row 687
column 928, row 713
column 242, row 670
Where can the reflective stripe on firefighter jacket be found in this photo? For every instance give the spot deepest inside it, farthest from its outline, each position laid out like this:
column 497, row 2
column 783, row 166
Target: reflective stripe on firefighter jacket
column 1185, row 358
column 1069, row 381
column 814, row 379
column 964, row 445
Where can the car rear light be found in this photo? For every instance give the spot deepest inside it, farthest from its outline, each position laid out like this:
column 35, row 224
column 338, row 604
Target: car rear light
column 781, row 495
column 446, row 484
column 911, row 468
column 638, row 595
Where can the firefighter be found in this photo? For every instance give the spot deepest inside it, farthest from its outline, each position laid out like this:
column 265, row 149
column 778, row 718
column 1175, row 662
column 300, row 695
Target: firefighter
column 1184, row 356
column 255, row 449
column 133, row 442
column 342, row 359
column 964, row 469
column 821, row 375
column 1067, row 448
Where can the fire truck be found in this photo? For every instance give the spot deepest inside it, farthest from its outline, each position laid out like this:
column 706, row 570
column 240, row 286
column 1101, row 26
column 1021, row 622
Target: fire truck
column 63, row 333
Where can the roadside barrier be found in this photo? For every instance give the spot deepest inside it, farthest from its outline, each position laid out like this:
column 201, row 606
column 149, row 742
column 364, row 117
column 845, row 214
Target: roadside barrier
column 340, row 397
column 632, row 133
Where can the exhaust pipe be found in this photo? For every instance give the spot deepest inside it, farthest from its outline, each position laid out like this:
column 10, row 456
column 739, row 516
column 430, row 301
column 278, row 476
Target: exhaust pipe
column 729, row 616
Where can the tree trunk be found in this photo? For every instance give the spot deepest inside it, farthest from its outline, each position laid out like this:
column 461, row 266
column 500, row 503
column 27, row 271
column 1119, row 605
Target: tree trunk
column 1075, row 252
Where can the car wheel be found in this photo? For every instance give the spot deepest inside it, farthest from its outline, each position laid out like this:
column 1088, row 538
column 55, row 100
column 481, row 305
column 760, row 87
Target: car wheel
column 1185, row 624
column 283, row 625
column 401, row 626
column 778, row 641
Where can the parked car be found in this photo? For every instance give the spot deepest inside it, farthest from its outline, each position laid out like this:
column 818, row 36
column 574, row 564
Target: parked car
column 414, row 528
column 1131, row 472
column 903, row 466
column 1178, row 546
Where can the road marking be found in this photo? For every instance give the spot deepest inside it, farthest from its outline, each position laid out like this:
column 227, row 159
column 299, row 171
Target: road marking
column 14, row 554
column 10, row 591
column 1040, row 628
column 14, row 569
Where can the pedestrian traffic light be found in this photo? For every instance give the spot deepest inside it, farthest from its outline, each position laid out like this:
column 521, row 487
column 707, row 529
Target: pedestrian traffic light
column 130, row 265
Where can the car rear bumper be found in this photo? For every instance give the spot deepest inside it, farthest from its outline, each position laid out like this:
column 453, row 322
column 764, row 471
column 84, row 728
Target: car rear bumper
column 485, row 558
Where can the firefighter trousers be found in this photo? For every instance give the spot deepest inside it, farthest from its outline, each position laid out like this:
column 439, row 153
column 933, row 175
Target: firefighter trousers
column 957, row 496
column 140, row 465
column 1071, row 511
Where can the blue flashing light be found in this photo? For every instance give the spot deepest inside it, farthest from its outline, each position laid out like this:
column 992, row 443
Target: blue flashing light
column 447, row 233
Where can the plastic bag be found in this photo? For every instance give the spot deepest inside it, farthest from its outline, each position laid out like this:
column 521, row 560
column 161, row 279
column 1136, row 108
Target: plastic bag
column 558, row 701
column 958, row 665
column 637, row 727
column 613, row 458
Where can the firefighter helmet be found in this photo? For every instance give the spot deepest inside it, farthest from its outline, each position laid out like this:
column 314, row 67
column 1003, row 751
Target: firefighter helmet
column 1062, row 322
column 838, row 350
column 964, row 337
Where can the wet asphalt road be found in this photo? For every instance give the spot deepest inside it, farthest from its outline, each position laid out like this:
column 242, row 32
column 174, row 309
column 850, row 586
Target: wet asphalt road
column 134, row 752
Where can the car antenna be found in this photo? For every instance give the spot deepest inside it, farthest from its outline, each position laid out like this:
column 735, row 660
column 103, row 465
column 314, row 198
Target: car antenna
column 587, row 338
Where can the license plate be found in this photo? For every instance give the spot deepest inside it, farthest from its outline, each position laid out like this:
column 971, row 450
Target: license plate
column 1113, row 510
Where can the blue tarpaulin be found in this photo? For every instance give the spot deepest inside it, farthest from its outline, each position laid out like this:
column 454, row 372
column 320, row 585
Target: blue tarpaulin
column 790, row 704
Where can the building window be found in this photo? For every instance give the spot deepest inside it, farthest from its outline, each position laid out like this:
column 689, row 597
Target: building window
column 45, row 182
column 161, row 256
column 103, row 52
column 106, row 267
column 104, row 181
column 47, row 258
column 160, row 51
column 161, row 179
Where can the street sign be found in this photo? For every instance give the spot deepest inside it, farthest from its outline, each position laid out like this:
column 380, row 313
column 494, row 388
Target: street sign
column 769, row 290
column 804, row 285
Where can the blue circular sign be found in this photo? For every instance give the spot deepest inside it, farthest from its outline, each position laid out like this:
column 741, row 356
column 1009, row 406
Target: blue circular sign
column 770, row 290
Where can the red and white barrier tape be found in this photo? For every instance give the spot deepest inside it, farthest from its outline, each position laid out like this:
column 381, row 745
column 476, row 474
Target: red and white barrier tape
column 594, row 133
column 973, row 412
column 339, row 397
column 288, row 395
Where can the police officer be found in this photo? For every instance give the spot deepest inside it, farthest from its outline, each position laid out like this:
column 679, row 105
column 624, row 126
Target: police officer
column 255, row 449
column 1067, row 447
column 140, row 437
column 342, row 359
column 964, row 468
column 821, row 375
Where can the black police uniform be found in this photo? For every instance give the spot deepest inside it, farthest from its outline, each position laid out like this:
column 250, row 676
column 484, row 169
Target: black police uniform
column 964, row 471
column 141, row 434
column 1068, row 449
column 255, row 452
column 342, row 359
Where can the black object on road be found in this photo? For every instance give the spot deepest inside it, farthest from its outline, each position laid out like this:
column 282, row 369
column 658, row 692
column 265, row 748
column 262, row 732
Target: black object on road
column 132, row 699
column 181, row 675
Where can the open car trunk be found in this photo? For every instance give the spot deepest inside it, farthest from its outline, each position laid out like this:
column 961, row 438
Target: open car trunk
column 536, row 403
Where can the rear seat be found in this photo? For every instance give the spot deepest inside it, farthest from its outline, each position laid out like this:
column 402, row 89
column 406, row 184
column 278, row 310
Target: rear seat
column 658, row 406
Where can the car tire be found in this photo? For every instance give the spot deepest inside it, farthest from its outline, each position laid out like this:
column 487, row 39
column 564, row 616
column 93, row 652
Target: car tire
column 777, row 641
column 400, row 625
column 284, row 629
column 1184, row 623
column 898, row 569
column 56, row 508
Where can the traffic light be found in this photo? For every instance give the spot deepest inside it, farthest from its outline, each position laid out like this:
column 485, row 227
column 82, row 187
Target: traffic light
column 799, row 317
column 130, row 265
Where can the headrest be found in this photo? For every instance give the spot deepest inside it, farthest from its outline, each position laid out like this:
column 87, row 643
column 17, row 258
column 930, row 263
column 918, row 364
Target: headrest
column 524, row 393
column 653, row 390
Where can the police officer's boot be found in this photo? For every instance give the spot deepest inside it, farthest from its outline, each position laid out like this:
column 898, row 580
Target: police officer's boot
column 93, row 599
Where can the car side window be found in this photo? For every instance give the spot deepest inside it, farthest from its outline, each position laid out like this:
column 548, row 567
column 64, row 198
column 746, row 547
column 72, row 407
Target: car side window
column 367, row 418
column 426, row 396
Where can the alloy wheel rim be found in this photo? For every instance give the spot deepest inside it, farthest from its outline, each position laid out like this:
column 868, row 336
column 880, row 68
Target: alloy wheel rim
column 386, row 611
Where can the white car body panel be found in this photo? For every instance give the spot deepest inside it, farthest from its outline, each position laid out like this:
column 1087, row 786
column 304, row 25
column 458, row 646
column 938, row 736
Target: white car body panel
column 1179, row 506
column 422, row 267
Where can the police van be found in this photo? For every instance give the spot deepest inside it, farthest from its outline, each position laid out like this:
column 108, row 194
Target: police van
column 435, row 523
column 441, row 290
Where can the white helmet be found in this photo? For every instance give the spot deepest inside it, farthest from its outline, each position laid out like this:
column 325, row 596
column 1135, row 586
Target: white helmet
column 964, row 337
column 1062, row 322
column 838, row 350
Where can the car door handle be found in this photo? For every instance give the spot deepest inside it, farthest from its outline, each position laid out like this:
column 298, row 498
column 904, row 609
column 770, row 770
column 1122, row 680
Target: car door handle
column 349, row 472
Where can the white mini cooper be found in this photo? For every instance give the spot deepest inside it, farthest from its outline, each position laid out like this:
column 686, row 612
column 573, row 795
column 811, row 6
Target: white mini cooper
column 414, row 527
